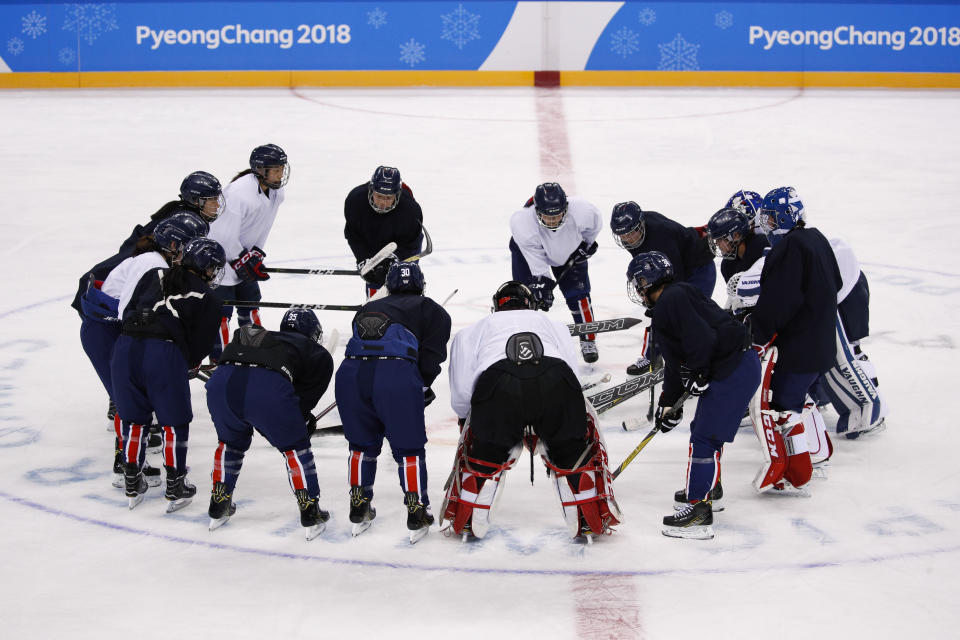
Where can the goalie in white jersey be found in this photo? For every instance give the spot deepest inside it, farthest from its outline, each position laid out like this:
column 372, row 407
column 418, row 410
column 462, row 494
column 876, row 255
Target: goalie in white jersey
column 512, row 382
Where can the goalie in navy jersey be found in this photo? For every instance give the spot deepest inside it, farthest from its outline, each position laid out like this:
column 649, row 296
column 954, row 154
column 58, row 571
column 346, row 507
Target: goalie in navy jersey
column 706, row 354
column 378, row 212
column 169, row 326
column 270, row 381
column 382, row 387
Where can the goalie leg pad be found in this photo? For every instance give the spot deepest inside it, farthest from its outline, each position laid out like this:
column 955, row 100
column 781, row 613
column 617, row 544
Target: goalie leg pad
column 764, row 421
column 799, row 468
column 818, row 442
column 851, row 388
column 472, row 495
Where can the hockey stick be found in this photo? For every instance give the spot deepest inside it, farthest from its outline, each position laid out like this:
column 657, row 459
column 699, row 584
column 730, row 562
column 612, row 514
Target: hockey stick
column 314, row 272
column 602, row 326
column 333, row 430
column 669, row 413
column 292, row 305
column 426, row 251
column 609, row 398
column 377, row 258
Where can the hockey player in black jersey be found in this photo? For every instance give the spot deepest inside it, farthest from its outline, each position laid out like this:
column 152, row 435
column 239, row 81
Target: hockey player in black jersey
column 706, row 354
column 169, row 326
column 382, row 386
column 378, row 212
column 270, row 381
column 731, row 238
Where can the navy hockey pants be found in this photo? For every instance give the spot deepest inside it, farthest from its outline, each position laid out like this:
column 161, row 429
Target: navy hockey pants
column 381, row 399
column 97, row 339
column 245, row 315
column 243, row 399
column 788, row 391
column 716, row 421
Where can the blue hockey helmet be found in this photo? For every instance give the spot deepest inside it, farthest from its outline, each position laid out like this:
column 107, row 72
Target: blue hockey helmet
column 628, row 225
column 746, row 202
column 550, row 203
column 267, row 157
column 782, row 210
column 725, row 225
column 201, row 191
column 647, row 271
column 303, row 321
column 513, row 295
column 405, row 277
column 205, row 257
column 173, row 232
column 387, row 184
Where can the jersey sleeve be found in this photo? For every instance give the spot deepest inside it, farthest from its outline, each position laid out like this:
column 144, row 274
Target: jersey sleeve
column 529, row 243
column 780, row 293
column 317, row 370
column 462, row 370
column 592, row 223
column 433, row 345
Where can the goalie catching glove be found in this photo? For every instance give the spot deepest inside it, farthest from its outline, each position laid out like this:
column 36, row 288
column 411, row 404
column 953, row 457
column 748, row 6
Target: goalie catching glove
column 249, row 266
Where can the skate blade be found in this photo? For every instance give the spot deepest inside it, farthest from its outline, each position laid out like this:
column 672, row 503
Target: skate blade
column 360, row 527
column 176, row 505
column 312, row 532
column 216, row 523
column 133, row 502
column 704, row 532
column 418, row 534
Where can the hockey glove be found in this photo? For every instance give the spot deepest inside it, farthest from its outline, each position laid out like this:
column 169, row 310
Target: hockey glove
column 695, row 383
column 542, row 290
column 582, row 253
column 249, row 266
column 311, row 425
column 664, row 421
column 376, row 275
column 428, row 396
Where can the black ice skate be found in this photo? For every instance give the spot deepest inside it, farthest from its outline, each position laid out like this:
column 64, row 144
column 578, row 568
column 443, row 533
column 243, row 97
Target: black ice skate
column 151, row 474
column 361, row 511
column 312, row 517
column 221, row 506
column 155, row 439
column 588, row 348
column 111, row 413
column 179, row 492
column 419, row 517
column 716, row 497
column 134, row 484
column 640, row 367
column 693, row 520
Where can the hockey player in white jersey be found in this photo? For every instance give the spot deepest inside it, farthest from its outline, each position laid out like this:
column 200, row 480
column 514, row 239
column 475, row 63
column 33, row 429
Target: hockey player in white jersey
column 253, row 198
column 552, row 238
column 512, row 382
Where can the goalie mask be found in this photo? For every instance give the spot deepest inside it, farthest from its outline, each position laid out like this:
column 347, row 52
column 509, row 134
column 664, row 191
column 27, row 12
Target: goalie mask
column 748, row 203
column 782, row 211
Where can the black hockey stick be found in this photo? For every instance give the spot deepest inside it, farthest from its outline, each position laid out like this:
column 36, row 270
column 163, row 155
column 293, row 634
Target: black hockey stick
column 427, row 251
column 292, row 305
column 314, row 272
column 603, row 326
column 669, row 413
column 333, row 430
column 610, row 398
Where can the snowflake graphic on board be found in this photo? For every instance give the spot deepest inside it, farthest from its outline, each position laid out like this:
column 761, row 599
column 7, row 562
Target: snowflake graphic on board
column 460, row 27
column 66, row 55
column 376, row 18
column 90, row 21
column 15, row 46
column 678, row 55
column 723, row 19
column 624, row 42
column 411, row 52
column 34, row 24
column 647, row 16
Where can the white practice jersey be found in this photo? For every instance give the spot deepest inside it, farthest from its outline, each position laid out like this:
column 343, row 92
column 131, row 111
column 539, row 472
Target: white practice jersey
column 246, row 220
column 124, row 278
column 484, row 342
column 849, row 267
column 544, row 248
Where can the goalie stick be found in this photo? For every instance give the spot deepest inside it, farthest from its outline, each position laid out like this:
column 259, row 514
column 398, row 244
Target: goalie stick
column 602, row 326
column 667, row 414
column 610, row 398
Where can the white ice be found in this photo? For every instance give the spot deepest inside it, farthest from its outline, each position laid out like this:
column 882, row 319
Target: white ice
column 874, row 552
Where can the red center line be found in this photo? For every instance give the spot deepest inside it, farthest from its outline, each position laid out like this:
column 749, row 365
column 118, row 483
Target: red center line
column 555, row 162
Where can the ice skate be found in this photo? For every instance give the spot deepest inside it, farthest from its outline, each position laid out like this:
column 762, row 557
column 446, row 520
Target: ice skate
column 155, row 439
column 694, row 521
column 715, row 497
column 135, row 485
column 419, row 517
column 588, row 349
column 221, row 506
column 312, row 517
column 641, row 366
column 179, row 492
column 362, row 512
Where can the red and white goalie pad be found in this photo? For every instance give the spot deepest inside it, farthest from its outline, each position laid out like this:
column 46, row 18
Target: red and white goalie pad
column 818, row 441
column 589, row 508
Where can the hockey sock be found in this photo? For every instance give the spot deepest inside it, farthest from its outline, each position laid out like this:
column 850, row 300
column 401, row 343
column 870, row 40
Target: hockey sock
column 703, row 467
column 175, row 446
column 227, row 462
column 412, row 469
column 362, row 469
column 302, row 471
column 134, row 439
column 582, row 311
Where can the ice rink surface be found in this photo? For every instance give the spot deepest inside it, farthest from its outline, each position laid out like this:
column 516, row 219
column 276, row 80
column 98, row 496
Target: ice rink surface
column 875, row 552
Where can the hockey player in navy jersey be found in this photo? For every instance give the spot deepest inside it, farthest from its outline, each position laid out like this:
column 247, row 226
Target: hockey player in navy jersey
column 706, row 354
column 797, row 313
column 253, row 199
column 731, row 238
column 169, row 326
column 382, row 387
column 512, row 370
column 639, row 231
column 552, row 237
column 378, row 212
column 270, row 381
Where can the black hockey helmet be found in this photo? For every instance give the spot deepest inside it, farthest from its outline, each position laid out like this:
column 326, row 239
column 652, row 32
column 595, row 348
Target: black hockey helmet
column 513, row 295
column 269, row 156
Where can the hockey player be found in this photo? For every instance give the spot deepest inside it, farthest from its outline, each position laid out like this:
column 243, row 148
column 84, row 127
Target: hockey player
column 748, row 203
column 513, row 381
column 382, row 387
column 253, row 199
column 552, row 239
column 270, row 381
column 101, row 315
column 706, row 354
column 377, row 213
column 639, row 231
column 796, row 311
column 731, row 238
column 169, row 326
